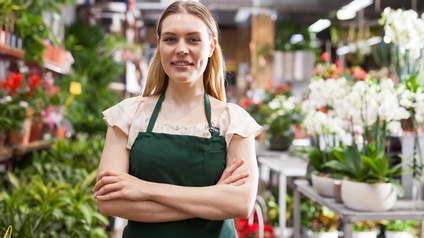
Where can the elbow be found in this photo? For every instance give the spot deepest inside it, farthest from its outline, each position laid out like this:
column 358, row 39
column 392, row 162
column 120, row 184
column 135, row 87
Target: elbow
column 104, row 208
column 245, row 208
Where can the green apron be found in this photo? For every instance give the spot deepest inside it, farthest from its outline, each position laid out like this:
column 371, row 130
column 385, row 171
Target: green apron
column 181, row 160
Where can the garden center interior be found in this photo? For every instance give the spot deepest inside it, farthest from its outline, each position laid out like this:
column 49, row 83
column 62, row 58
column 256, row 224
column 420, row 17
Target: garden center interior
column 337, row 86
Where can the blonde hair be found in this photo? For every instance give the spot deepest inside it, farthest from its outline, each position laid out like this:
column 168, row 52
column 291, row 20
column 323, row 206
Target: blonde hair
column 213, row 77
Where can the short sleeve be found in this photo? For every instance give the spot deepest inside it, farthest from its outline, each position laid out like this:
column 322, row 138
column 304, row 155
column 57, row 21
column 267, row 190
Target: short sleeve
column 122, row 114
column 238, row 121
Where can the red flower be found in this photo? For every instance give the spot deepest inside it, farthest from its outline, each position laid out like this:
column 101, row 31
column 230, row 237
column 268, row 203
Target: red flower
column 12, row 82
column 359, row 73
column 325, row 56
column 33, row 83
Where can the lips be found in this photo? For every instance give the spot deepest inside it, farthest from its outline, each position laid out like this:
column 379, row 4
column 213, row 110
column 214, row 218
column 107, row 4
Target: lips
column 181, row 63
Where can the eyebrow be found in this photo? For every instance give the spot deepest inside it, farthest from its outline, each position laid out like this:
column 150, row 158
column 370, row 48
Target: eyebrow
column 190, row 33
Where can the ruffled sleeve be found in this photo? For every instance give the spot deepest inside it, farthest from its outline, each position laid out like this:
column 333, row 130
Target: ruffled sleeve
column 122, row 114
column 238, row 121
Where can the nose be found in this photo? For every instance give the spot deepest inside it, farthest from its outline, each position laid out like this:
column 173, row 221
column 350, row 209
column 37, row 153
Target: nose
column 182, row 48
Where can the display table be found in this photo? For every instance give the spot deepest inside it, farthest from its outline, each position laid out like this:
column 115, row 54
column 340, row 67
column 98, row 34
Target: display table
column 286, row 166
column 403, row 210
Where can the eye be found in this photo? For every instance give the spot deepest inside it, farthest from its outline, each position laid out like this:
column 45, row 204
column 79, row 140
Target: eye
column 168, row 39
column 194, row 39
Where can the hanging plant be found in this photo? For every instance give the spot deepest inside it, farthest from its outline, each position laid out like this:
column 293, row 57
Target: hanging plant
column 26, row 19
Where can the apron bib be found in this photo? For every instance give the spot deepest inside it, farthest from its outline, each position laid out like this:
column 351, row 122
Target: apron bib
column 181, row 160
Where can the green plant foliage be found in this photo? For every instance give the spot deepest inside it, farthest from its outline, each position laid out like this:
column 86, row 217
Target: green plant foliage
column 369, row 165
column 411, row 226
column 53, row 197
column 95, row 68
column 29, row 22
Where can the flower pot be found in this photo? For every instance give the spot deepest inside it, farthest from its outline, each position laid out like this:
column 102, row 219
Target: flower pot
column 280, row 143
column 397, row 234
column 323, row 185
column 327, row 234
column 368, row 197
column 364, row 234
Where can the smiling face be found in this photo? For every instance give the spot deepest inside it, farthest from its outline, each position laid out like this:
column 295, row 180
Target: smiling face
column 185, row 47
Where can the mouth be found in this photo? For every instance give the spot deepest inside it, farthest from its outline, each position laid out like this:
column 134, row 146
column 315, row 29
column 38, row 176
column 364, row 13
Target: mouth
column 181, row 63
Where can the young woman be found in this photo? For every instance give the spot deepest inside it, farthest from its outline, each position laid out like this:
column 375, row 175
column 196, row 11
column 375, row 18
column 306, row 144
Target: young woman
column 179, row 161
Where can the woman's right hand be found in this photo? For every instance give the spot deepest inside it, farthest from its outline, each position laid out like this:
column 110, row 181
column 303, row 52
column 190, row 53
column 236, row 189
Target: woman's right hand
column 228, row 176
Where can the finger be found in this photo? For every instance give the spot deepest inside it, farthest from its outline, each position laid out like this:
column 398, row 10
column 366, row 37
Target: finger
column 239, row 182
column 107, row 173
column 236, row 177
column 109, row 188
column 104, row 181
column 233, row 166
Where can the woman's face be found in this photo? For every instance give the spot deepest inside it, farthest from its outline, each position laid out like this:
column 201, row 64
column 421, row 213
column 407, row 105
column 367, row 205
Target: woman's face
column 185, row 47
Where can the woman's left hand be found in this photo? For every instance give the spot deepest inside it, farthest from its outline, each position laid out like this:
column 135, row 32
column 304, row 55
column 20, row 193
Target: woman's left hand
column 119, row 185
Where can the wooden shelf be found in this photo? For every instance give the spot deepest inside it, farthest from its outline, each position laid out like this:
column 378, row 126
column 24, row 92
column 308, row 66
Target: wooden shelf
column 5, row 154
column 12, row 52
column 32, row 146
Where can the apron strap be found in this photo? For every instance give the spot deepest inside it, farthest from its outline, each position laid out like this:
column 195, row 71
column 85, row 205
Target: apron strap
column 213, row 130
column 155, row 113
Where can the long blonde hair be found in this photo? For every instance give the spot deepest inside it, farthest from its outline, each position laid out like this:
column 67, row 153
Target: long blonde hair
column 213, row 77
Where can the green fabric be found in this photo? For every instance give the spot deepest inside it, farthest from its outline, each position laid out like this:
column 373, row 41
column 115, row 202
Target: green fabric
column 181, row 160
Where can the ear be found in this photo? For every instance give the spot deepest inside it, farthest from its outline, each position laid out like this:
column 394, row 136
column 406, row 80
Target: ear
column 212, row 46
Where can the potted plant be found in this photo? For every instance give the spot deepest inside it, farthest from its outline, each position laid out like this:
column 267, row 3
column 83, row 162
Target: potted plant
column 322, row 177
column 278, row 112
column 400, row 228
column 365, row 229
column 319, row 220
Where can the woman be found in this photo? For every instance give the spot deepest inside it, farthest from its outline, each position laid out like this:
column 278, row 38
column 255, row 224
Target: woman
column 179, row 161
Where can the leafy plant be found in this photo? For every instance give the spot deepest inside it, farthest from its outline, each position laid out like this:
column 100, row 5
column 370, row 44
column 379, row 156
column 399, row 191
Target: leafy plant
column 318, row 218
column 28, row 17
column 367, row 225
column 402, row 225
column 368, row 165
column 318, row 158
column 95, row 68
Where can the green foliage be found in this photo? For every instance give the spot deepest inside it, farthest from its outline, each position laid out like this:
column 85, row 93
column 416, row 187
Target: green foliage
column 317, row 159
column 53, row 197
column 318, row 218
column 410, row 226
column 29, row 22
column 95, row 68
column 369, row 165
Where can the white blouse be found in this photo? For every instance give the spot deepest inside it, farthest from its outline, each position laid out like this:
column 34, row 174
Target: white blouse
column 129, row 115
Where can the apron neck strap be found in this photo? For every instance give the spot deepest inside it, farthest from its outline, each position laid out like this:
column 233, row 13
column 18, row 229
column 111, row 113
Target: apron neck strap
column 155, row 113
column 213, row 130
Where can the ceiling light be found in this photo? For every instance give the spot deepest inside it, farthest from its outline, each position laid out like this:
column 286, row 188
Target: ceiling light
column 374, row 40
column 357, row 5
column 319, row 25
column 343, row 50
column 343, row 15
column 242, row 15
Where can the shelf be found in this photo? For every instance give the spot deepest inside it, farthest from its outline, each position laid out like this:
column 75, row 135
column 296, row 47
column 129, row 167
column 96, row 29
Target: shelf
column 11, row 52
column 32, row 146
column 5, row 154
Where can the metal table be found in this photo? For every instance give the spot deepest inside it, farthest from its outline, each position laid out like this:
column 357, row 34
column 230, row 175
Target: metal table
column 286, row 166
column 403, row 210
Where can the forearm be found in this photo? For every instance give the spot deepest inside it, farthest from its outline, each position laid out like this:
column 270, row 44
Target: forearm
column 141, row 211
column 216, row 202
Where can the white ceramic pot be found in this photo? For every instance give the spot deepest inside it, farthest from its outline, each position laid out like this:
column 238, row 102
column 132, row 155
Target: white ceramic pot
column 397, row 234
column 323, row 185
column 364, row 234
column 328, row 234
column 368, row 197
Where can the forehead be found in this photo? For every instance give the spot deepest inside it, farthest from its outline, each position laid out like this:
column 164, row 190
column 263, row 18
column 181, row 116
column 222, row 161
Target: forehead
column 183, row 22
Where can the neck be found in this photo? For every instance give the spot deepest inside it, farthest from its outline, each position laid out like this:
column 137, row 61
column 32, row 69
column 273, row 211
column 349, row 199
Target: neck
column 183, row 93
